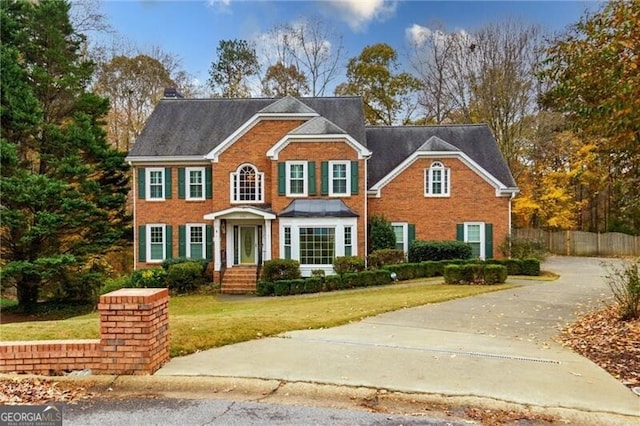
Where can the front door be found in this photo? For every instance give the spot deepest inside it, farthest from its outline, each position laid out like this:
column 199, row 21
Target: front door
column 247, row 245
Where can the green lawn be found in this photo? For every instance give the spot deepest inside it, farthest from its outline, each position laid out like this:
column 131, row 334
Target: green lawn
column 204, row 321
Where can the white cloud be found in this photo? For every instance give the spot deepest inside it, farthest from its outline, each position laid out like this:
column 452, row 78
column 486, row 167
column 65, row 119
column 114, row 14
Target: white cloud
column 419, row 35
column 221, row 6
column 358, row 13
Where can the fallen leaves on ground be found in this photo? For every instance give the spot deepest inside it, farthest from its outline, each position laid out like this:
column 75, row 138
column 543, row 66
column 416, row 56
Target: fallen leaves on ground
column 612, row 344
column 503, row 417
column 28, row 391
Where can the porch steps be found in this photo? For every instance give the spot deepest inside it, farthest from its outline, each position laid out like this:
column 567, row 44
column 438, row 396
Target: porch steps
column 239, row 280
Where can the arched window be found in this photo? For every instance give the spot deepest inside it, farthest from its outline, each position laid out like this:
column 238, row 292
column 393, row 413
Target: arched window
column 437, row 180
column 248, row 185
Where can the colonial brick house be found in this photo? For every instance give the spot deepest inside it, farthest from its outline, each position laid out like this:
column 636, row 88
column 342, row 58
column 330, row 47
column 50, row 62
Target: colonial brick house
column 241, row 181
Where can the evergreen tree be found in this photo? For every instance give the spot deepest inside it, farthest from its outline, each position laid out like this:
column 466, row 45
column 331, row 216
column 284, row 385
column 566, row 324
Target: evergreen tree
column 63, row 188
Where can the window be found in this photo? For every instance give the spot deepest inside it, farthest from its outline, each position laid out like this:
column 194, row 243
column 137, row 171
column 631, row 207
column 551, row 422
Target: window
column 195, row 183
column 296, row 178
column 474, row 236
column 155, row 184
column 195, row 241
column 437, row 180
column 156, row 247
column 317, row 246
column 400, row 230
column 348, row 240
column 248, row 185
column 287, row 242
column 339, row 182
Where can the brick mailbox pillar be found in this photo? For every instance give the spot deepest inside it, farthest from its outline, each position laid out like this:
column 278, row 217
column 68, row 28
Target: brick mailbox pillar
column 134, row 330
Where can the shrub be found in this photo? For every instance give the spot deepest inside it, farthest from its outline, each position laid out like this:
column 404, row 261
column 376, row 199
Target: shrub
column 265, row 288
column 420, row 251
column 624, row 282
column 472, row 273
column 350, row 280
column 332, row 282
column 380, row 258
column 522, row 248
column 167, row 263
column 282, row 288
column 149, row 278
column 318, row 273
column 530, row 267
column 432, row 269
column 495, row 274
column 280, row 269
column 185, row 277
column 379, row 277
column 381, row 235
column 313, row 285
column 344, row 264
column 113, row 284
column 453, row 274
column 403, row 271
column 296, row 286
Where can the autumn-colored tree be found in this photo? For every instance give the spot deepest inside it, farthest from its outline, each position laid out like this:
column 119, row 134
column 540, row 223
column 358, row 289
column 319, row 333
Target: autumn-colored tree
column 236, row 62
column 594, row 75
column 281, row 80
column 134, row 85
column 385, row 92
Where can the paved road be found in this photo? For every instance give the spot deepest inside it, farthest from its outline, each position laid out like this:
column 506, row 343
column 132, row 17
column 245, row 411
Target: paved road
column 496, row 346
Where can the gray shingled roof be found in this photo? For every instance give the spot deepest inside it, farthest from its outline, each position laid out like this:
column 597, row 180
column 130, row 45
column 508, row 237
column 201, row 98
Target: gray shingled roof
column 392, row 145
column 317, row 208
column 193, row 127
column 318, row 126
column 288, row 104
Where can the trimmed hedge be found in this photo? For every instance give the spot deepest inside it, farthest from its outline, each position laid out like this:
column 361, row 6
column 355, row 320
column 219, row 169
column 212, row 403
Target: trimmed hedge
column 419, row 251
column 330, row 283
column 475, row 273
column 380, row 258
column 280, row 269
column 345, row 264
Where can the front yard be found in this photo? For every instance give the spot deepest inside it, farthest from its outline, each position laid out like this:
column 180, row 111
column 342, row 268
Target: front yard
column 199, row 322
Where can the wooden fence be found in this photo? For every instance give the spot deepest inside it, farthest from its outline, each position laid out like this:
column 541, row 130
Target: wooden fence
column 578, row 243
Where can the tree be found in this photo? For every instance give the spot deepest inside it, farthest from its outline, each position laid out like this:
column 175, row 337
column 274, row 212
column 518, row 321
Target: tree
column 594, row 78
column 134, row 86
column 381, row 235
column 236, row 62
column 385, row 93
column 282, row 81
column 63, row 188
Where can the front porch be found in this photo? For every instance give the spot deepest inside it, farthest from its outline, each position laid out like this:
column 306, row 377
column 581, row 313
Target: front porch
column 241, row 244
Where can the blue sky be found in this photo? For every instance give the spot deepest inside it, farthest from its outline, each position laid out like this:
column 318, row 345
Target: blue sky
column 192, row 29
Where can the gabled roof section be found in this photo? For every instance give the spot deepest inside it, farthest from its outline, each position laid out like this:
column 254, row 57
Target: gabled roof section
column 318, row 126
column 314, row 130
column 195, row 127
column 436, row 144
column 287, row 105
column 391, row 146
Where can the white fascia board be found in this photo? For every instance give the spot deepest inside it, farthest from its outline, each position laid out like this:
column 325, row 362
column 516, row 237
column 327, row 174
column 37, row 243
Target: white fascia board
column 166, row 159
column 245, row 212
column 486, row 176
column 274, row 151
column 214, row 154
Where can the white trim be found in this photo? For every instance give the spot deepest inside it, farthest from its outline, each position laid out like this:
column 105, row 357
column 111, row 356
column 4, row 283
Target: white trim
column 166, row 159
column 338, row 224
column 274, row 151
column 214, row 154
column 240, row 212
column 445, row 180
column 134, row 191
column 187, row 183
column 501, row 189
column 187, row 236
column 147, row 182
column 405, row 235
column 482, row 236
column 234, row 185
column 347, row 191
column 305, row 178
column 148, row 238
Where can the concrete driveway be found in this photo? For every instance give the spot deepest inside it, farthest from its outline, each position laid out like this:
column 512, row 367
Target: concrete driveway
column 495, row 346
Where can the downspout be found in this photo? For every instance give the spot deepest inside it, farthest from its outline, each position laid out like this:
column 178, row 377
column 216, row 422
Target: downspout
column 135, row 224
column 366, row 213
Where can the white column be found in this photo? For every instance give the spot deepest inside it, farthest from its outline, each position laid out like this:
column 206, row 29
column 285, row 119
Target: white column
column 217, row 262
column 267, row 240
